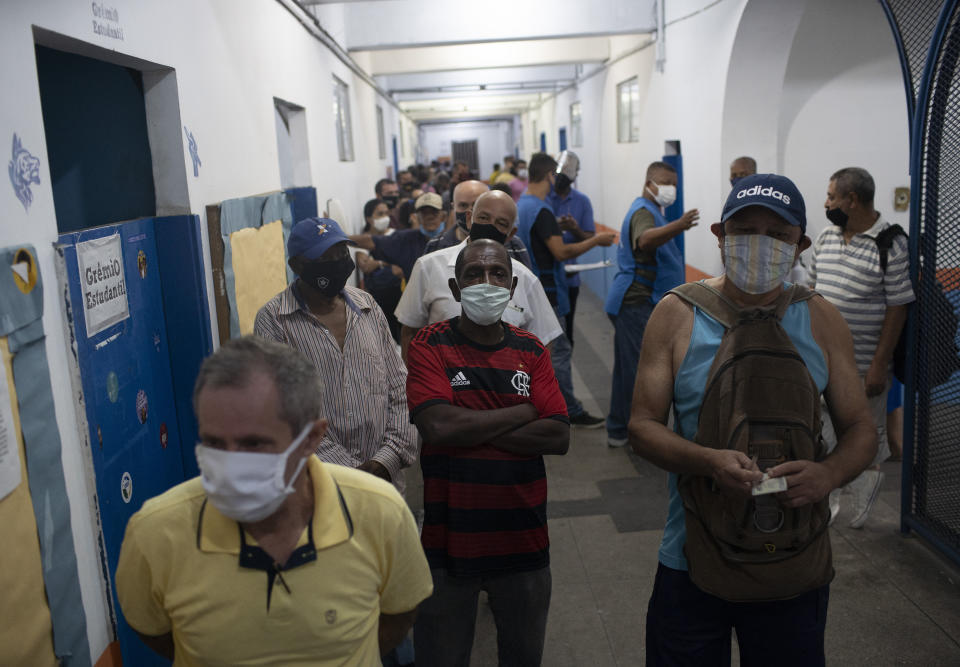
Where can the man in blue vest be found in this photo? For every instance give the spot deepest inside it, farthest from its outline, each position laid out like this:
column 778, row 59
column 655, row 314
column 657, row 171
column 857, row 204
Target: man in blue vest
column 537, row 227
column 650, row 264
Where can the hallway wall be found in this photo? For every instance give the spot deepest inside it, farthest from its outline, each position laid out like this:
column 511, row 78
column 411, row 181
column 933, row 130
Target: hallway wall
column 805, row 86
column 230, row 60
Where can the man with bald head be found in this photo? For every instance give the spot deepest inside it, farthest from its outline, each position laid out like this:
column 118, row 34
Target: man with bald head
column 464, row 197
column 427, row 298
column 741, row 168
column 486, row 402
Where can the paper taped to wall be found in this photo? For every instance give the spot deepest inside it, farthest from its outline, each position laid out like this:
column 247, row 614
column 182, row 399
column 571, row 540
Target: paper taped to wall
column 100, row 262
column 9, row 447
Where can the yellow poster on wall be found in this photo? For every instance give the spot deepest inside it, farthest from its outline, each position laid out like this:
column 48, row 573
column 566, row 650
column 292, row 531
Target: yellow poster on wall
column 26, row 633
column 259, row 269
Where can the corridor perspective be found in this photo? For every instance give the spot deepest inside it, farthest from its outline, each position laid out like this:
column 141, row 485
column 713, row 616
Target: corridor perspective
column 449, row 334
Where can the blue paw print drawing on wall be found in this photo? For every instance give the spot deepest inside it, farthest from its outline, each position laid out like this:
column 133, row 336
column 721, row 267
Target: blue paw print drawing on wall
column 24, row 171
column 192, row 147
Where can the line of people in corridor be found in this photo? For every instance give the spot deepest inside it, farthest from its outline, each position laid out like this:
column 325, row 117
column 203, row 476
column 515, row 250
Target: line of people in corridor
column 457, row 355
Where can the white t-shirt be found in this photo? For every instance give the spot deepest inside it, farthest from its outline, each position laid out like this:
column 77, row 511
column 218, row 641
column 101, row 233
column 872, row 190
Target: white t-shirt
column 427, row 298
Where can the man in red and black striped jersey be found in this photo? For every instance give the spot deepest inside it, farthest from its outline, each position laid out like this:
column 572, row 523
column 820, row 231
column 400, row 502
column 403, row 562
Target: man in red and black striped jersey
column 484, row 397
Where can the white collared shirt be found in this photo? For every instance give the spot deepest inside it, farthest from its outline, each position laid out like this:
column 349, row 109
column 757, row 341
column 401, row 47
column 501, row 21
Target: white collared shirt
column 427, row 298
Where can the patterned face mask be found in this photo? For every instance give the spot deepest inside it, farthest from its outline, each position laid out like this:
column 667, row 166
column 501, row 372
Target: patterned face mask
column 757, row 263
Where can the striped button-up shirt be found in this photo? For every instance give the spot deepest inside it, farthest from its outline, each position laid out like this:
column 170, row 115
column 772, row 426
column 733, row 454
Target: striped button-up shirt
column 364, row 397
column 849, row 276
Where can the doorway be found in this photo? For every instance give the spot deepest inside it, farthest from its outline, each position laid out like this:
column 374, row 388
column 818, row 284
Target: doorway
column 134, row 292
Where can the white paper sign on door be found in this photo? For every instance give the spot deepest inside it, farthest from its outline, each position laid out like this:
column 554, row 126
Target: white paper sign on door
column 101, row 278
column 9, row 444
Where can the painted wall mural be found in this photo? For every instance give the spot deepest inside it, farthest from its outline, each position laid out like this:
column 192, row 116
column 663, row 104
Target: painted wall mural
column 194, row 153
column 24, row 170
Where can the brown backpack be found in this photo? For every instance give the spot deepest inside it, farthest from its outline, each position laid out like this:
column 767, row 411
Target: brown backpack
column 760, row 399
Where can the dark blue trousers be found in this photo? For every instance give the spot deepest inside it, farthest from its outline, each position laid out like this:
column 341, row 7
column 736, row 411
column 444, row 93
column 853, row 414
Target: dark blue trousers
column 627, row 339
column 686, row 626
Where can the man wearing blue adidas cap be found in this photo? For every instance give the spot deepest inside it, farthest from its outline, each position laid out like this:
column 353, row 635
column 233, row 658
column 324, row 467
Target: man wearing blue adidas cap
column 760, row 235
column 345, row 334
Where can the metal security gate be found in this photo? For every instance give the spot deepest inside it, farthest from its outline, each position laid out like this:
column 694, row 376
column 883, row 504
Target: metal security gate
column 928, row 37
column 466, row 151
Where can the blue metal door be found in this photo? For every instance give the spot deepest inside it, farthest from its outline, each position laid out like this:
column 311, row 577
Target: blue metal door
column 129, row 396
column 563, row 138
column 543, row 142
column 396, row 157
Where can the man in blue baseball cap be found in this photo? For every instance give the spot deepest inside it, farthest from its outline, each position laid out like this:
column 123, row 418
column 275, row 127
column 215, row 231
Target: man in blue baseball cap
column 345, row 334
column 760, row 235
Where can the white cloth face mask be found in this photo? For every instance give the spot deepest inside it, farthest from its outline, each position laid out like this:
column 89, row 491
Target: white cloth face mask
column 381, row 224
column 484, row 303
column 666, row 194
column 757, row 263
column 248, row 486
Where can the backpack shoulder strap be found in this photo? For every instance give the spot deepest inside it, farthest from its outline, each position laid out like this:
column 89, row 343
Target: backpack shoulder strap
column 710, row 301
column 885, row 242
column 795, row 294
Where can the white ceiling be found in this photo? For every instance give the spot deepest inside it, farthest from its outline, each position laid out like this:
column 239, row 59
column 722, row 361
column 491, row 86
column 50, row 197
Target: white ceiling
column 447, row 59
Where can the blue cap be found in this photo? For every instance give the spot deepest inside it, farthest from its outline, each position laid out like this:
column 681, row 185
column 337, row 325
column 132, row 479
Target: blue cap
column 312, row 237
column 777, row 193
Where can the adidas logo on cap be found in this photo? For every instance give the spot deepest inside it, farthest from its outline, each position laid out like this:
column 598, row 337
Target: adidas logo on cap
column 756, row 191
column 460, row 380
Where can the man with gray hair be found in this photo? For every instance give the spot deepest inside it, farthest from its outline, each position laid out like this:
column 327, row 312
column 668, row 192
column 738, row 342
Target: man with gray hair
column 337, row 548
column 342, row 330
column 873, row 294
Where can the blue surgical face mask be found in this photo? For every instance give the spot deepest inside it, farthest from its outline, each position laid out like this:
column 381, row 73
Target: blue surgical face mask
column 431, row 235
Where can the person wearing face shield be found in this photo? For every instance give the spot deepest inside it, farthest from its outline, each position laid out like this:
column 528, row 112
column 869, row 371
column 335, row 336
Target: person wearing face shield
column 761, row 232
column 846, row 269
column 483, row 395
column 575, row 216
column 538, row 229
column 345, row 334
column 649, row 263
column 270, row 556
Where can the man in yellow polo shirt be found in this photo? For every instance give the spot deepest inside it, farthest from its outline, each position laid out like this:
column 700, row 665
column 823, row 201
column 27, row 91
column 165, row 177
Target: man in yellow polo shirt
column 270, row 556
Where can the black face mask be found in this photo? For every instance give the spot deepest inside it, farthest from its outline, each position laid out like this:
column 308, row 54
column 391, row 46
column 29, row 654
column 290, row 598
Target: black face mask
column 837, row 217
column 562, row 183
column 486, row 231
column 391, row 200
column 462, row 220
column 328, row 278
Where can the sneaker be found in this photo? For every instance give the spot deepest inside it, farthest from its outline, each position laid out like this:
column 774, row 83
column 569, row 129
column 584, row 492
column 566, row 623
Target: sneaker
column 865, row 490
column 587, row 420
column 616, row 442
column 834, row 505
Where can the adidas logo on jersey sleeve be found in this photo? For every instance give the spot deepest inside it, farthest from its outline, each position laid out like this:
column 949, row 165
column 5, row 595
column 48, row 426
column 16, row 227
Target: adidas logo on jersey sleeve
column 459, row 380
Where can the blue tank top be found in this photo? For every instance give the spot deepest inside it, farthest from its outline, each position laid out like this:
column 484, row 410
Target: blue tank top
column 688, row 389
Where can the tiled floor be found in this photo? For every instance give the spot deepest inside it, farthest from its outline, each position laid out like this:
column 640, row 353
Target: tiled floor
column 894, row 600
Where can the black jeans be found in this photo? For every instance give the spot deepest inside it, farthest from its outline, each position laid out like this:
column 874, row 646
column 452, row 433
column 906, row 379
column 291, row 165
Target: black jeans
column 445, row 625
column 574, row 293
column 686, row 626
